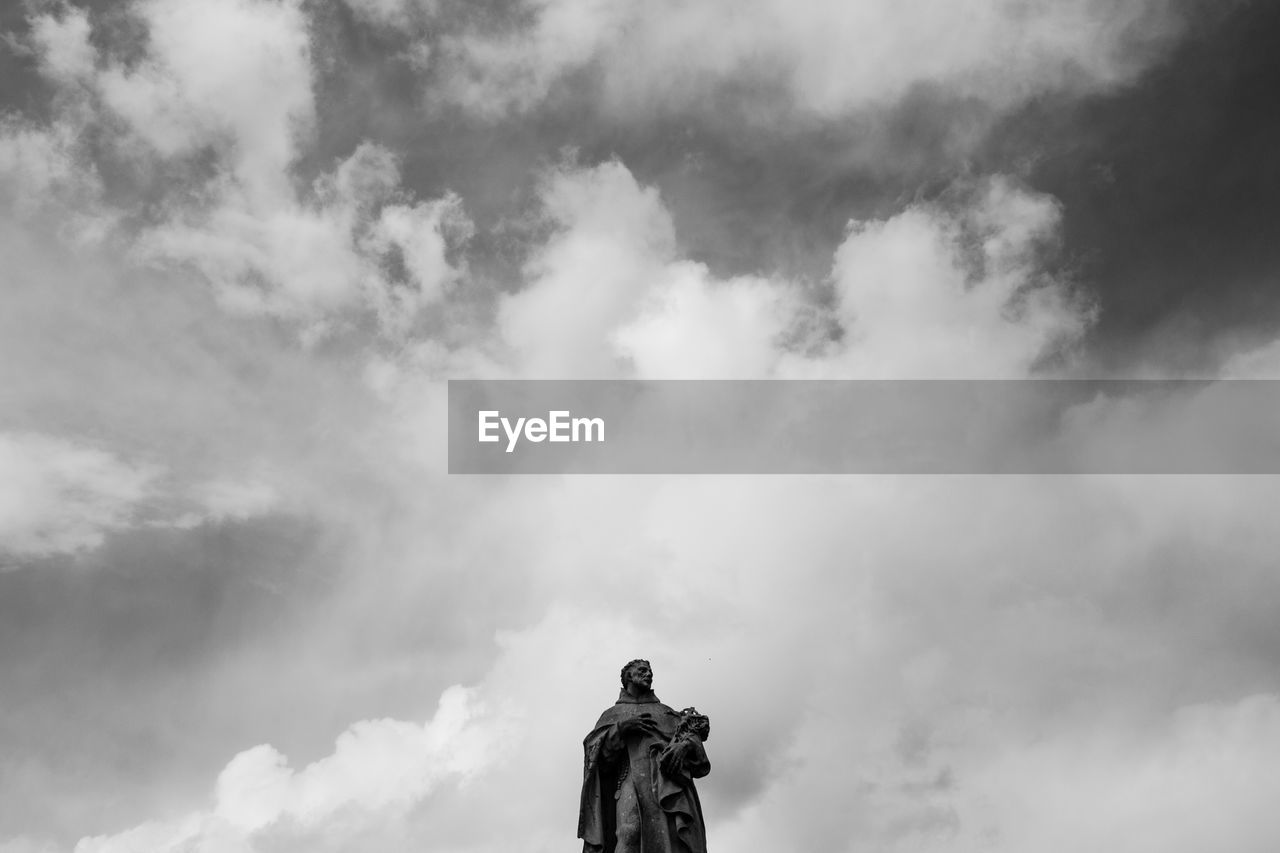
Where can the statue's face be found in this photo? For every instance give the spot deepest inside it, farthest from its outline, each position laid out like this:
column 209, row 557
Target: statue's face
column 641, row 676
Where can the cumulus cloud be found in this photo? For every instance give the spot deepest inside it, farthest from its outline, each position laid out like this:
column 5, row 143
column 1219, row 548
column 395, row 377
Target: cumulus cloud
column 954, row 294
column 613, row 239
column 930, row 292
column 60, row 496
column 692, row 326
column 263, row 246
column 457, row 778
column 378, row 770
column 235, row 81
column 235, row 73
column 61, row 41
column 323, row 261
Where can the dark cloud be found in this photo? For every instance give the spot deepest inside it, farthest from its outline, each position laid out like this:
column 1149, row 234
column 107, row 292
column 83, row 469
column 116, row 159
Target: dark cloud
column 21, row 88
column 1170, row 191
column 754, row 183
column 1168, row 184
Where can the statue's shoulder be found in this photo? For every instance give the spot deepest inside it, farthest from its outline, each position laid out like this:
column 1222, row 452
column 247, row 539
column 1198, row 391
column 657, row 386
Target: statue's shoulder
column 623, row 710
column 612, row 714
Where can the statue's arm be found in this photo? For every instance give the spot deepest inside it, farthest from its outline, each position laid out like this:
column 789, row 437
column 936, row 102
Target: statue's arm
column 605, row 744
column 685, row 757
column 612, row 744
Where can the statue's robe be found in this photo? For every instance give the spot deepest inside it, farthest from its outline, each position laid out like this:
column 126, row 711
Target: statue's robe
column 670, row 813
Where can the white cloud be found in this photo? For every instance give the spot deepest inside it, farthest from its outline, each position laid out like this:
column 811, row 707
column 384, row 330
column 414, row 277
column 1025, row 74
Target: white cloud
column 491, row 75
column 239, row 78
column 376, row 764
column 236, row 499
column 232, row 72
column 235, row 79
column 323, row 261
column 614, row 239
column 691, row 326
column 57, row 496
column 393, row 14
column 927, row 293
column 422, row 234
column 62, row 44
column 829, row 58
column 378, row 772
column 42, row 173
column 931, row 293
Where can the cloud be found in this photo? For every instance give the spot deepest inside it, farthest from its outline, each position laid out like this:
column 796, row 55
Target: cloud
column 841, row 633
column 230, row 499
column 948, row 294
column 61, row 41
column 381, row 774
column 613, row 239
column 236, row 73
column 901, row 663
column 376, row 764
column 323, row 262
column 60, row 496
column 824, row 58
column 42, row 172
column 692, row 326
column 232, row 84
column 1150, row 788
column 932, row 291
column 392, row 14
column 22, row 844
column 1253, row 362
column 912, row 663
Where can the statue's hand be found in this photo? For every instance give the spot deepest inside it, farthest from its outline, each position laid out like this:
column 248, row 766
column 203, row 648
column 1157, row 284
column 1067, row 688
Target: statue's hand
column 671, row 762
column 640, row 723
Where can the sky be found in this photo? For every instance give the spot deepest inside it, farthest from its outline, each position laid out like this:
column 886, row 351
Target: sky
column 244, row 608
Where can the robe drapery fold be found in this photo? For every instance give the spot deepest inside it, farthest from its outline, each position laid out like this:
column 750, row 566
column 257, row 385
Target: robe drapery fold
column 670, row 813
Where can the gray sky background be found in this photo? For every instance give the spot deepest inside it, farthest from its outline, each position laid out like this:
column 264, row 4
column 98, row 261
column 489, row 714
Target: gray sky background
column 243, row 244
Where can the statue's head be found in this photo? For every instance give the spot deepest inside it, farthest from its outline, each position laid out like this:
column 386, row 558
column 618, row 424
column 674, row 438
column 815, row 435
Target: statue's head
column 638, row 673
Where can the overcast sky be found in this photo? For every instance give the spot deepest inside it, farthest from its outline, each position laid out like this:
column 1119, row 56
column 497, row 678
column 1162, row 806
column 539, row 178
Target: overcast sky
column 243, row 244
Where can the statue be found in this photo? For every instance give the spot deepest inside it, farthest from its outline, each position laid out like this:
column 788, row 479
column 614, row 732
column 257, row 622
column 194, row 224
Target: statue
column 640, row 762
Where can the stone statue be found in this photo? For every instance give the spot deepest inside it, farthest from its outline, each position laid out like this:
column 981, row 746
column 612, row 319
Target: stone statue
column 641, row 760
